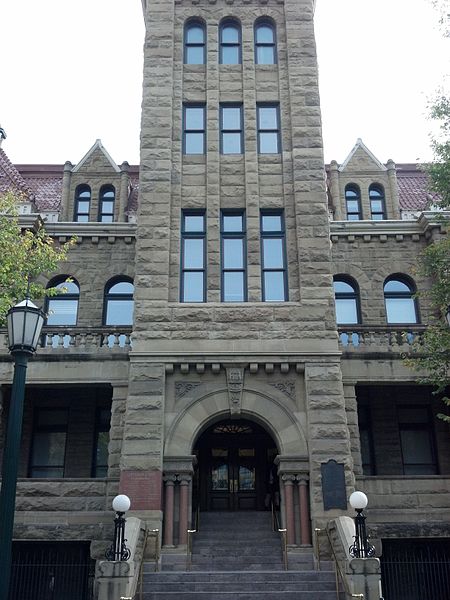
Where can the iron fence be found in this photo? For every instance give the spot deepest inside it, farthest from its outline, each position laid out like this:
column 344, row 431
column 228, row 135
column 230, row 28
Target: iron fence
column 51, row 571
column 416, row 569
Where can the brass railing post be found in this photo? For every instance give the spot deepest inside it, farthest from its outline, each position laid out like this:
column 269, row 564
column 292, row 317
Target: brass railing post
column 156, row 531
column 284, row 547
column 189, row 548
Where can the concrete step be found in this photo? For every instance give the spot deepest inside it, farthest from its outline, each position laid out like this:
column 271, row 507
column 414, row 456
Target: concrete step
column 226, row 595
column 236, row 576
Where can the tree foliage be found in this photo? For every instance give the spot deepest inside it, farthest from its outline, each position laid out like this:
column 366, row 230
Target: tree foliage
column 433, row 349
column 24, row 255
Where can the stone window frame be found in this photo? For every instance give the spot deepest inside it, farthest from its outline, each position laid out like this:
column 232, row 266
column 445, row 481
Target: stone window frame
column 186, row 132
column 277, row 130
column 240, row 131
column 186, row 235
column 102, row 198
column 100, row 427
column 355, row 189
column 235, row 235
column 401, row 294
column 230, row 22
column 374, row 214
column 116, row 297
column 61, row 281
column 279, row 234
column 83, row 188
column 355, row 295
column 266, row 22
column 194, row 22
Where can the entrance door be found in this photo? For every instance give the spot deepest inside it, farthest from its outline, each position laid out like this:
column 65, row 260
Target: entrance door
column 232, row 479
column 234, row 462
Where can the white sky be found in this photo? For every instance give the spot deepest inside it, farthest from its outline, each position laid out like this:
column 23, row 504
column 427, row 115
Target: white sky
column 71, row 72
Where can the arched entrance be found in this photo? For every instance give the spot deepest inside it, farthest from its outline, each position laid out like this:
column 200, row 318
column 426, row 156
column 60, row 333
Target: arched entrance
column 235, row 467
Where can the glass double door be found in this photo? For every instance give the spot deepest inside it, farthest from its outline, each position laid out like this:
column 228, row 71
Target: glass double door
column 232, row 479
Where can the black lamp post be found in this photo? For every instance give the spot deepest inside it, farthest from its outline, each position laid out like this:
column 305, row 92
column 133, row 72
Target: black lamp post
column 24, row 323
column 447, row 315
column 361, row 547
column 119, row 550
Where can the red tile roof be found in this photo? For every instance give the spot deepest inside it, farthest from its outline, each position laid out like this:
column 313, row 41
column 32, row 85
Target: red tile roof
column 412, row 188
column 10, row 178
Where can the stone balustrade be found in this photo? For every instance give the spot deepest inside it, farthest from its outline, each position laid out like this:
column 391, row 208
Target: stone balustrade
column 78, row 340
column 392, row 340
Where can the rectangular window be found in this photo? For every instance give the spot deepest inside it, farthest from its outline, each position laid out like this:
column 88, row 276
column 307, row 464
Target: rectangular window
column 101, row 441
column 194, row 129
column 416, row 440
column 231, row 128
column 273, row 260
column 193, row 250
column 234, row 263
column 268, row 123
column 49, row 442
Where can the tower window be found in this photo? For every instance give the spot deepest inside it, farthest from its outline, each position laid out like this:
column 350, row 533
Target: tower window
column 377, row 203
column 82, row 204
column 230, row 43
column 401, row 306
column 353, row 203
column 268, row 128
column 106, row 204
column 265, row 43
column 273, row 250
column 194, row 43
column 193, row 250
column 194, row 133
column 231, row 141
column 234, row 280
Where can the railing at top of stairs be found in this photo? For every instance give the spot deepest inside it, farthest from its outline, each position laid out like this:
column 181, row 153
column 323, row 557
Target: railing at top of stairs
column 283, row 534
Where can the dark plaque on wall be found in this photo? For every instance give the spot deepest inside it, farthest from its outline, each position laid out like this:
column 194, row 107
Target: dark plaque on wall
column 333, row 485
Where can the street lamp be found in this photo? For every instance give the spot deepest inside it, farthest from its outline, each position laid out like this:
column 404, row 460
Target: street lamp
column 119, row 550
column 447, row 315
column 361, row 547
column 24, row 323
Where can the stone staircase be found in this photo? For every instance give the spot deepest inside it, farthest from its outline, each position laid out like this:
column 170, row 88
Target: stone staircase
column 236, row 556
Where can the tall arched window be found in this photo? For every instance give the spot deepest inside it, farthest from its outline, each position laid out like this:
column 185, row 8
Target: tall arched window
column 63, row 308
column 106, row 204
column 230, row 43
column 265, row 43
column 82, row 204
column 401, row 306
column 119, row 303
column 194, row 43
column 346, row 294
column 377, row 203
column 353, row 202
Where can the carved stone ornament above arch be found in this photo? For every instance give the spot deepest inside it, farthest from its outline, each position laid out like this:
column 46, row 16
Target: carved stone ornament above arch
column 264, row 409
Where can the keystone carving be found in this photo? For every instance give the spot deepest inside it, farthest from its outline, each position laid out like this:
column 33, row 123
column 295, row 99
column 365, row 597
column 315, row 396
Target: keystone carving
column 235, row 383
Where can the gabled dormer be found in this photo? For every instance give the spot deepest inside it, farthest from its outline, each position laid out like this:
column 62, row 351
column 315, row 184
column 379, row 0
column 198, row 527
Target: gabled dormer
column 96, row 189
column 363, row 188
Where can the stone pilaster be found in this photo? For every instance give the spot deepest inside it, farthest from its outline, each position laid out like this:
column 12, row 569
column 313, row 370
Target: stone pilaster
column 351, row 410
column 141, row 462
column 123, row 192
column 116, row 430
column 328, row 429
column 66, row 204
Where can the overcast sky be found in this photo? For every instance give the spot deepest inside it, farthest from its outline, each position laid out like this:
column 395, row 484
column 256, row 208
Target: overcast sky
column 71, row 72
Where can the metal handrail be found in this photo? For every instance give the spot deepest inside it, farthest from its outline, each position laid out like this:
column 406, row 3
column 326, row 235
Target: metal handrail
column 156, row 548
column 189, row 548
column 283, row 534
column 338, row 570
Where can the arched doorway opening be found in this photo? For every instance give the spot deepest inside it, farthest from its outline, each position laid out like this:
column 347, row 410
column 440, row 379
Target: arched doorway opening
column 235, row 467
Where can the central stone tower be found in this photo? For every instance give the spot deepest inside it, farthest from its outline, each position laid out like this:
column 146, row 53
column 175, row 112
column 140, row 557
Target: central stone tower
column 234, row 311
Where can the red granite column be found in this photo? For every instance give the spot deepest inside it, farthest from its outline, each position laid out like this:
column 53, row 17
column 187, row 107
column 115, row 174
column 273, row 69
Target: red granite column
column 288, row 481
column 168, row 510
column 305, row 525
column 184, row 497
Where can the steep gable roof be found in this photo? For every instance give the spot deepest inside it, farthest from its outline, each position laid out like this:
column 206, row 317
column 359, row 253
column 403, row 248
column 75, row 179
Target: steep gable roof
column 96, row 158
column 361, row 159
column 11, row 179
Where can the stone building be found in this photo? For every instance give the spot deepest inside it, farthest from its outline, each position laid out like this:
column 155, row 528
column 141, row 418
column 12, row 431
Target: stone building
column 273, row 299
